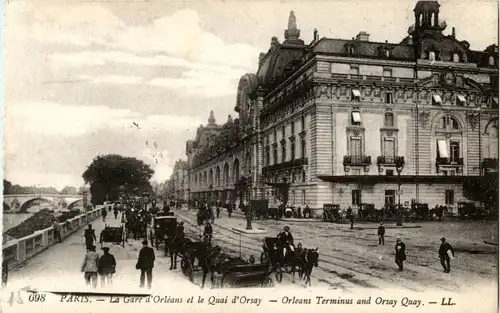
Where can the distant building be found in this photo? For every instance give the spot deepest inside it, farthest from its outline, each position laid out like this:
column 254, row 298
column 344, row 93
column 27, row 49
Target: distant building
column 176, row 183
column 351, row 121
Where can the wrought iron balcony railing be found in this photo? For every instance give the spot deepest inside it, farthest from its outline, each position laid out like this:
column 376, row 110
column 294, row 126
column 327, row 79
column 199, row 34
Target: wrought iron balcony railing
column 390, row 160
column 357, row 160
column 449, row 161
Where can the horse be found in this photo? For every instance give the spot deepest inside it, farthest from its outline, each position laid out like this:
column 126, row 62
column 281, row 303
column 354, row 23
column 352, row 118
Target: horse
column 174, row 246
column 309, row 259
column 290, row 259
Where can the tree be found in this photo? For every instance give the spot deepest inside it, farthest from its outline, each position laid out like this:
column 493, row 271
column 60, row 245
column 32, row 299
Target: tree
column 68, row 190
column 107, row 173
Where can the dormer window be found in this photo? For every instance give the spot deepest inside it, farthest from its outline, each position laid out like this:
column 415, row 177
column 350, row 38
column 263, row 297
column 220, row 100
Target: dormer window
column 356, row 118
column 387, row 53
column 436, row 100
column 356, row 95
column 432, row 56
column 456, row 58
column 354, row 70
column 461, row 100
column 491, row 61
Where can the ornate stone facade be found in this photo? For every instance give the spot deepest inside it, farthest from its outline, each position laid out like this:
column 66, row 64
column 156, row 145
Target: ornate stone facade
column 338, row 118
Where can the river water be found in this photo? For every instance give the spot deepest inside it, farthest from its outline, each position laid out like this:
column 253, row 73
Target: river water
column 13, row 219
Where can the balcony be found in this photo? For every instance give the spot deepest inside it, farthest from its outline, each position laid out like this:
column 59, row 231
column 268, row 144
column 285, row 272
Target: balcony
column 390, row 160
column 449, row 161
column 357, row 160
column 285, row 165
column 490, row 164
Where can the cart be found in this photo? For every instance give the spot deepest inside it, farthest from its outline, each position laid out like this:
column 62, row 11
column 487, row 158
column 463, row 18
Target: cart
column 331, row 213
column 247, row 275
column 114, row 235
column 164, row 228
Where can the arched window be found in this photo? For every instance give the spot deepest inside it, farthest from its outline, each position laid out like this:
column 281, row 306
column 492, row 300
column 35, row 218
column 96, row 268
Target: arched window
column 491, row 141
column 491, row 61
column 217, row 176
column 456, row 58
column 432, row 56
column 432, row 19
column 448, row 123
column 420, row 20
column 387, row 53
column 236, row 171
column 226, row 174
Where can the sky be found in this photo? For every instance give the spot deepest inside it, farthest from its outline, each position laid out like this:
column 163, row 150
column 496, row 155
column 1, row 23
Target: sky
column 138, row 77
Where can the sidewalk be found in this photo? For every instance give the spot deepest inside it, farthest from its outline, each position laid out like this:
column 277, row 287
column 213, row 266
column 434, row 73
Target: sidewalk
column 58, row 267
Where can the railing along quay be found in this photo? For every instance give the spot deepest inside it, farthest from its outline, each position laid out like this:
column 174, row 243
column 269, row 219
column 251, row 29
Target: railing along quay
column 18, row 251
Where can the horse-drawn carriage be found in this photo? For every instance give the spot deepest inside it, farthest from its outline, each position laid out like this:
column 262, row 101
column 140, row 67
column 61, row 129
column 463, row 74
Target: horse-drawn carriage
column 204, row 214
column 115, row 235
column 164, row 227
column 331, row 213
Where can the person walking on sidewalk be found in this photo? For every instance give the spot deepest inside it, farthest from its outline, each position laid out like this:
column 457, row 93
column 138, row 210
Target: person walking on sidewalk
column 89, row 237
column 400, row 253
column 145, row 263
column 445, row 254
column 57, row 231
column 90, row 267
column 107, row 267
column 381, row 234
column 104, row 213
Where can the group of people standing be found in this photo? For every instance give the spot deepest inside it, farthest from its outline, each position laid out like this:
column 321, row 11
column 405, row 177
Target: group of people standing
column 94, row 265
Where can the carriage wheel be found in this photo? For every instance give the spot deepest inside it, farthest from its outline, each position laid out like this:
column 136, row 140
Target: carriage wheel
column 187, row 269
column 279, row 274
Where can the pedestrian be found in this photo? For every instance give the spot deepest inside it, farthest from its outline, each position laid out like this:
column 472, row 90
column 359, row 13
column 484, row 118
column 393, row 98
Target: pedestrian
column 400, row 253
column 57, row 231
column 115, row 212
column 208, row 232
column 90, row 267
column 229, row 210
column 107, row 267
column 89, row 237
column 350, row 216
column 104, row 213
column 217, row 210
column 445, row 254
column 381, row 234
column 145, row 263
column 5, row 272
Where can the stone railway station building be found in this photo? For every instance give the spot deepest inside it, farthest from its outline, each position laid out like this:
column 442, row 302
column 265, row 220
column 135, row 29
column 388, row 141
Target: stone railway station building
column 351, row 121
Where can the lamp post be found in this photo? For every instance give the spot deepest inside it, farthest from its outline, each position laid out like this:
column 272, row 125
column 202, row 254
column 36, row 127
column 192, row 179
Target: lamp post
column 242, row 187
column 210, row 196
column 145, row 196
column 399, row 169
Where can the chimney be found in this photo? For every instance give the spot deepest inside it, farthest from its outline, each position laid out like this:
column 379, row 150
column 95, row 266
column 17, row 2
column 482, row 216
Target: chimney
column 453, row 32
column 363, row 36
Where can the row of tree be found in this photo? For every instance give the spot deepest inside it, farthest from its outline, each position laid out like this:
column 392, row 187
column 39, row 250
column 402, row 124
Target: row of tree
column 112, row 175
column 10, row 189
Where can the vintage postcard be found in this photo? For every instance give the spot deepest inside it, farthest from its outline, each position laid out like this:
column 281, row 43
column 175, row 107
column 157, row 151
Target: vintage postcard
column 250, row 156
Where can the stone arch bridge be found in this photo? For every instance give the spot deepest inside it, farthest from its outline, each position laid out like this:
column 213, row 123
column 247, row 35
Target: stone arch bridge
column 21, row 203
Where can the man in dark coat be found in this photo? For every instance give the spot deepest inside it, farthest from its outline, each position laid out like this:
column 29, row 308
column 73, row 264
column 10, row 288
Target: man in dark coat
column 89, row 237
column 381, row 234
column 145, row 263
column 350, row 216
column 107, row 267
column 207, row 232
column 285, row 239
column 400, row 253
column 444, row 257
